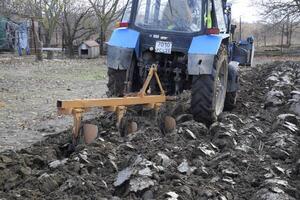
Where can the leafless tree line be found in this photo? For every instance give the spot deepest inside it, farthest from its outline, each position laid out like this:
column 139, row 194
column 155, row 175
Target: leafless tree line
column 75, row 19
column 281, row 16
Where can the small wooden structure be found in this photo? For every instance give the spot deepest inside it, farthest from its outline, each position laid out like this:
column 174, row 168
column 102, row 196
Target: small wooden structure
column 89, row 49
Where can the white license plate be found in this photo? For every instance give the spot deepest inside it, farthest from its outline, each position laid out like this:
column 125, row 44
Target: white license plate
column 163, row 47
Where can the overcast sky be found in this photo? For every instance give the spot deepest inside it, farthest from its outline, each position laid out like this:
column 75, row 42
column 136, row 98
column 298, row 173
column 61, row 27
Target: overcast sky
column 245, row 9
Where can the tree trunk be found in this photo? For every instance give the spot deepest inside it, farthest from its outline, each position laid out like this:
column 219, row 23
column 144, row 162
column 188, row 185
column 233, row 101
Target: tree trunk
column 50, row 54
column 287, row 34
column 282, row 35
column 38, row 43
column 71, row 52
column 39, row 53
column 102, row 40
column 33, row 33
column 290, row 34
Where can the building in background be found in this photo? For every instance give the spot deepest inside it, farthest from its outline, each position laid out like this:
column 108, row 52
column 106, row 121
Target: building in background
column 89, row 49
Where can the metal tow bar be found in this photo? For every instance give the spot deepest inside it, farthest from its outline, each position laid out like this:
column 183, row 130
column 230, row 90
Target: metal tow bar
column 117, row 105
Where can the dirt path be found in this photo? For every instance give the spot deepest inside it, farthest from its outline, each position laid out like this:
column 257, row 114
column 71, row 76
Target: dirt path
column 252, row 153
column 30, row 90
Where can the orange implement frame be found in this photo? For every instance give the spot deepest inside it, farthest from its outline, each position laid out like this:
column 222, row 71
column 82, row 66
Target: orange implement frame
column 118, row 105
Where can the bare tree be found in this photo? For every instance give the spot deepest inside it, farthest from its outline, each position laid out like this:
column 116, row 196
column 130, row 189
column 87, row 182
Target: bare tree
column 280, row 9
column 27, row 9
column 107, row 12
column 51, row 12
column 283, row 14
column 77, row 23
column 4, row 7
column 46, row 12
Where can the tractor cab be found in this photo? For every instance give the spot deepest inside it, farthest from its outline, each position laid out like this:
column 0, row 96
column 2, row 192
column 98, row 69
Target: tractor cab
column 167, row 26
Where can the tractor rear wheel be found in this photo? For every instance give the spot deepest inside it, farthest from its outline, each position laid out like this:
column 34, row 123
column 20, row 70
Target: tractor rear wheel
column 209, row 91
column 116, row 82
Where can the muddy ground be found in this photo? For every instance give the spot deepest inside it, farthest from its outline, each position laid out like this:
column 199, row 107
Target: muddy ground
column 30, row 91
column 251, row 153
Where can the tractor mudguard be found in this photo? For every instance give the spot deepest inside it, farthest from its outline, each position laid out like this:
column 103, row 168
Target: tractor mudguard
column 202, row 52
column 233, row 77
column 121, row 47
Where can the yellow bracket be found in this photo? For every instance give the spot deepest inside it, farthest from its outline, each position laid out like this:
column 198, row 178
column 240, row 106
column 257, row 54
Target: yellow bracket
column 152, row 72
column 117, row 105
column 77, row 114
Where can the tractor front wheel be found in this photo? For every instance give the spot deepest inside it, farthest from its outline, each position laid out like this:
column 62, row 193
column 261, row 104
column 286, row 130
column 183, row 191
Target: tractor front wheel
column 209, row 91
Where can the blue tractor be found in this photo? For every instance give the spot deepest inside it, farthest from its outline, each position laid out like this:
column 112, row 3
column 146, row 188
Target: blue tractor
column 191, row 42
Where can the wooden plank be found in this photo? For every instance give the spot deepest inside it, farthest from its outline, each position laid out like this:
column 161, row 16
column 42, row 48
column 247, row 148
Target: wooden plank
column 111, row 102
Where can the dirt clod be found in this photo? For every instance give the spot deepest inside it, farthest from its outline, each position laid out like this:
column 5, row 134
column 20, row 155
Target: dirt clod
column 90, row 133
column 132, row 127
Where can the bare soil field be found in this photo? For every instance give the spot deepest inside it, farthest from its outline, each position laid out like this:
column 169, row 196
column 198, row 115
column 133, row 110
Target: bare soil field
column 30, row 90
column 250, row 153
column 263, row 59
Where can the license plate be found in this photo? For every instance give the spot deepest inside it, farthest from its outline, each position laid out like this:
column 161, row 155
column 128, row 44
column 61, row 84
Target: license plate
column 163, row 47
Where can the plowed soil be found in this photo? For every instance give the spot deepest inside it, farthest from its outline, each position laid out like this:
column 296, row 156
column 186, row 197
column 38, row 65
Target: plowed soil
column 252, row 152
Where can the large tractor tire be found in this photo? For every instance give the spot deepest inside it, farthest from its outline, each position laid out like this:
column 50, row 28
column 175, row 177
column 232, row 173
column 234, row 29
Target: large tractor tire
column 116, row 82
column 209, row 91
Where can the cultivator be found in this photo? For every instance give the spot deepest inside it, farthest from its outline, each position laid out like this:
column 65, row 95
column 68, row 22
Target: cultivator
column 118, row 105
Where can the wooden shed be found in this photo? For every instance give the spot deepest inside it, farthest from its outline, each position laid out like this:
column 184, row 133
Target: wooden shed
column 89, row 49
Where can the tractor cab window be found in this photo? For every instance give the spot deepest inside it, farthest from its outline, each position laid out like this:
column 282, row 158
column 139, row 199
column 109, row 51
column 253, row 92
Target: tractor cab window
column 170, row 15
column 220, row 15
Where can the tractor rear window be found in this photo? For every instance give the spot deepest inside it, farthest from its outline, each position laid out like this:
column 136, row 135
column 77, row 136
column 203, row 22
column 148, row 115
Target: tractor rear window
column 170, row 15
